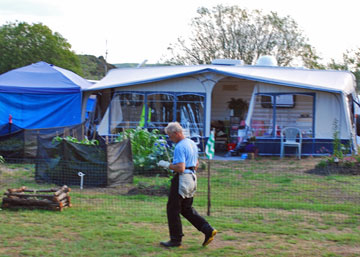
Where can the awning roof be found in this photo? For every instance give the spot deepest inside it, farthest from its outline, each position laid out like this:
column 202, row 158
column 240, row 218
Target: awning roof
column 41, row 78
column 322, row 80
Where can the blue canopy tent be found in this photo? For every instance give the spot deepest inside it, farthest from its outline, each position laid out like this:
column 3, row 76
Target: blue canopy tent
column 41, row 95
column 38, row 101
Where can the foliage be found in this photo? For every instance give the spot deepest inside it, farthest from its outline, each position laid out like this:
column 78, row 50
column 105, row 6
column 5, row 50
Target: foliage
column 239, row 106
column 322, row 164
column 94, row 67
column 85, row 141
column 148, row 147
column 350, row 62
column 233, row 33
column 22, row 44
column 2, row 160
column 237, row 103
column 338, row 147
column 252, row 139
column 338, row 156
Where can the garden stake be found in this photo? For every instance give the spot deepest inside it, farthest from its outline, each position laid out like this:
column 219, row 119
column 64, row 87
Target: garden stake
column 81, row 175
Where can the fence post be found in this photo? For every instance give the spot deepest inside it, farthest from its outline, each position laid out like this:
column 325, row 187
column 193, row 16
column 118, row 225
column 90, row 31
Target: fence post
column 209, row 193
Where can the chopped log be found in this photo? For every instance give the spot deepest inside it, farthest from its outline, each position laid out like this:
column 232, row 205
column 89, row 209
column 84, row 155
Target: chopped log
column 60, row 197
column 35, row 203
column 13, row 201
column 41, row 190
column 64, row 189
column 64, row 203
column 12, row 196
column 51, row 190
column 20, row 198
column 18, row 195
column 16, row 207
column 68, row 199
column 59, row 191
column 16, row 190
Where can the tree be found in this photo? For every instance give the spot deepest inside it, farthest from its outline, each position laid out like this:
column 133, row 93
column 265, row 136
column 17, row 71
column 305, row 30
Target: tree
column 234, row 33
column 350, row 62
column 22, row 44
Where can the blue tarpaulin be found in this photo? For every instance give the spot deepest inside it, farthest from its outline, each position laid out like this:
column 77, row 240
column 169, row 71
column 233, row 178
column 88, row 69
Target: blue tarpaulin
column 41, row 95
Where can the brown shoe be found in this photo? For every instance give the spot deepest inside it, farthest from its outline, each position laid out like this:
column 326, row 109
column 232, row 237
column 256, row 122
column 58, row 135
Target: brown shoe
column 170, row 244
column 209, row 237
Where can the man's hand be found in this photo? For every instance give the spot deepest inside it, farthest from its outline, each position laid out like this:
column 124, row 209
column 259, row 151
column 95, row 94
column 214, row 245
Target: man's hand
column 164, row 164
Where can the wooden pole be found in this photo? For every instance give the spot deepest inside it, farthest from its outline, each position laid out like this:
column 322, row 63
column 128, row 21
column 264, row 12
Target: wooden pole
column 209, row 193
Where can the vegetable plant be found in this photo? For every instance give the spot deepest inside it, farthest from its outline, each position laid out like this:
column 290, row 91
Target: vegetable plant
column 148, row 147
column 85, row 141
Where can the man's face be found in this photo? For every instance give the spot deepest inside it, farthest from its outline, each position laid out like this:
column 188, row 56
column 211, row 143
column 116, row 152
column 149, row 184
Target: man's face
column 173, row 136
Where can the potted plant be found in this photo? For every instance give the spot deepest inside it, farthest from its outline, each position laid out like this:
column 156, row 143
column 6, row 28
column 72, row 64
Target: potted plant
column 239, row 106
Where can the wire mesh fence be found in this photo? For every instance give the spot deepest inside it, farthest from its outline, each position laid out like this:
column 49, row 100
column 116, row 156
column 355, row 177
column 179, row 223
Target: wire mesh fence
column 263, row 188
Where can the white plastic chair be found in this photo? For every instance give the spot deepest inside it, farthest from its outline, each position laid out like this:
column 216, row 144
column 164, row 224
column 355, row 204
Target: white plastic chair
column 291, row 137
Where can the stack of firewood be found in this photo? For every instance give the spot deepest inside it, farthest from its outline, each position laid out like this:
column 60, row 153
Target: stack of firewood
column 48, row 199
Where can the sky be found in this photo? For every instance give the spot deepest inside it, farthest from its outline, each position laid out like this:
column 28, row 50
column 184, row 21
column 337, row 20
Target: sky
column 139, row 30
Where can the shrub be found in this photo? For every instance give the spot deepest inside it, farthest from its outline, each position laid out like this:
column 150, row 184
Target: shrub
column 85, row 141
column 148, row 147
column 322, row 164
column 338, row 147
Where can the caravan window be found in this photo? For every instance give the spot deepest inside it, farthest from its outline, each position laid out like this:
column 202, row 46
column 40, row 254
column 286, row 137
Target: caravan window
column 127, row 110
column 269, row 119
column 282, row 101
column 190, row 113
column 155, row 110
column 160, row 110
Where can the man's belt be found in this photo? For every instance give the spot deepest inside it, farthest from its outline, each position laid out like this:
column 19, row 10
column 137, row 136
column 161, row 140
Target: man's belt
column 190, row 168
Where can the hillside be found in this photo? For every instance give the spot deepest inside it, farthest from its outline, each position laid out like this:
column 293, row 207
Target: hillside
column 94, row 67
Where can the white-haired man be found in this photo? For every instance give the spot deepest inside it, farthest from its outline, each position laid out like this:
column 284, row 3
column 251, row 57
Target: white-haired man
column 183, row 187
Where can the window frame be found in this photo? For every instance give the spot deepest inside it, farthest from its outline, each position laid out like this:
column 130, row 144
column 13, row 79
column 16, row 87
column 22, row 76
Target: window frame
column 274, row 107
column 175, row 95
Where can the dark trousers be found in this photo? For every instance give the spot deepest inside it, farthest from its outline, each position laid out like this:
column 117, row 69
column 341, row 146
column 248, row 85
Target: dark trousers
column 177, row 205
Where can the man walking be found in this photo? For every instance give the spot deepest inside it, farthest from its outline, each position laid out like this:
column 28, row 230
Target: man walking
column 183, row 187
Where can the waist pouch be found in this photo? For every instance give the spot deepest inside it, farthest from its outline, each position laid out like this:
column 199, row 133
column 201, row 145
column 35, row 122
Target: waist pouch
column 187, row 185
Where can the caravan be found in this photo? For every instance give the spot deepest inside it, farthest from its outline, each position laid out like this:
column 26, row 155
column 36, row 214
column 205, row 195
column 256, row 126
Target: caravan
column 318, row 102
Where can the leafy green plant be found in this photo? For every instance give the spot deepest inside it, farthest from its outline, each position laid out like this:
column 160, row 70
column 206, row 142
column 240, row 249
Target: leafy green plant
column 239, row 106
column 85, row 141
column 322, row 164
column 148, row 147
column 337, row 145
column 340, row 151
column 2, row 160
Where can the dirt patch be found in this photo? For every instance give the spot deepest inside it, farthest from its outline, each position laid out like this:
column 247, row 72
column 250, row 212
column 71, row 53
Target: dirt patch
column 149, row 190
column 332, row 168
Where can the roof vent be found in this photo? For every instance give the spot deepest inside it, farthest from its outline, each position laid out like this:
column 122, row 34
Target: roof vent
column 229, row 62
column 266, row 60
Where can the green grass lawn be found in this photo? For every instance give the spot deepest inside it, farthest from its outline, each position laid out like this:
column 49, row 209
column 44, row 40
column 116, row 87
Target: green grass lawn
column 264, row 207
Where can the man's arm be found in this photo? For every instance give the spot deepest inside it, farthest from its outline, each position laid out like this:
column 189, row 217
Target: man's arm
column 197, row 165
column 178, row 167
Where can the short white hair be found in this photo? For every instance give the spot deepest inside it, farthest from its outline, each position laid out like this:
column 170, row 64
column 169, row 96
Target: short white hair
column 173, row 127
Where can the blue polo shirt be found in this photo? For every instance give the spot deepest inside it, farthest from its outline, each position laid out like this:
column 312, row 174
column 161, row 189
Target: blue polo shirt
column 186, row 151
